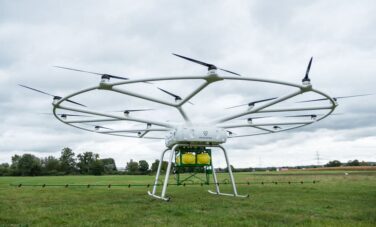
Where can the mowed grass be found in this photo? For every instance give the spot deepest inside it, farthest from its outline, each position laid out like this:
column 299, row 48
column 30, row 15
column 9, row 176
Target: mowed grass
column 337, row 200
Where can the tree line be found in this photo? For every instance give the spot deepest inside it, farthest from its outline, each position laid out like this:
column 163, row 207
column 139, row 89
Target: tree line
column 355, row 162
column 87, row 163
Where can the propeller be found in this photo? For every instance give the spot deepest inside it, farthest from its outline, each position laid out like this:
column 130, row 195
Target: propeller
column 54, row 96
column 335, row 98
column 133, row 110
column 306, row 77
column 104, row 75
column 210, row 66
column 177, row 97
column 97, row 127
column 230, row 133
column 127, row 112
column 250, row 104
column 68, row 115
column 249, row 119
column 313, row 116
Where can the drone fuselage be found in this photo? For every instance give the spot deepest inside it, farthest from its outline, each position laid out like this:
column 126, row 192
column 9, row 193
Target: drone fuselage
column 196, row 135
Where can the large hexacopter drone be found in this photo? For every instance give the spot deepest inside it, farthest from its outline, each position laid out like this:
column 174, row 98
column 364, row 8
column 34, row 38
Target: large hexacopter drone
column 187, row 140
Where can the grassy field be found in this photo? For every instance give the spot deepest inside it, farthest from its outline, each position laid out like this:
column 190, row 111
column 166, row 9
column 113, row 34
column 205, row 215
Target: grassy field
column 337, row 200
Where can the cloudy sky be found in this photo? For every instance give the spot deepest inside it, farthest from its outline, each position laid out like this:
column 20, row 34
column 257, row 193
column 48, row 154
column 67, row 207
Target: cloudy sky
column 264, row 39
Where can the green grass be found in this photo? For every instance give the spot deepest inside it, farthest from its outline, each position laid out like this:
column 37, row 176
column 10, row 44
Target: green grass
column 338, row 200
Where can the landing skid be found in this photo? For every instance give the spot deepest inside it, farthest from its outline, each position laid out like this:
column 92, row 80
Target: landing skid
column 168, row 170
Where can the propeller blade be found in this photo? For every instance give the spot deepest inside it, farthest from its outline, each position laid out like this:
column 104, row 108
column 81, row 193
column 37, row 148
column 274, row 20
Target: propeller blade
column 68, row 115
column 56, row 97
column 335, row 98
column 306, row 78
column 263, row 100
column 303, row 115
column 78, row 70
column 351, row 96
column 97, row 126
column 313, row 100
column 135, row 110
column 100, row 74
column 103, row 127
column 230, row 132
column 252, row 103
column 230, row 71
column 312, row 115
column 177, row 97
column 36, row 90
column 210, row 66
column 74, row 115
column 251, row 118
column 235, row 106
column 68, row 100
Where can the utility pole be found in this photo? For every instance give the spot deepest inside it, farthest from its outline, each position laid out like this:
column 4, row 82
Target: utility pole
column 318, row 158
column 260, row 163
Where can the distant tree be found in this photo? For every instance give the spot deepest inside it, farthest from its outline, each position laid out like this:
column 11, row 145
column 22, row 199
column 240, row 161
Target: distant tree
column 29, row 165
column 143, row 166
column 232, row 169
column 109, row 165
column 4, row 169
column 154, row 166
column 14, row 166
column 67, row 161
column 334, row 163
column 50, row 165
column 132, row 167
column 85, row 161
column 89, row 163
column 353, row 163
column 363, row 163
column 97, row 167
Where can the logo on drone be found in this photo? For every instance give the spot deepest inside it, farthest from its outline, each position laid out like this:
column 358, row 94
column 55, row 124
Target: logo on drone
column 205, row 133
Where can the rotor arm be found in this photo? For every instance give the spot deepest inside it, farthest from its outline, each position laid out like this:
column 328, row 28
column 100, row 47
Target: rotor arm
column 117, row 117
column 136, row 130
column 263, row 129
column 266, row 124
column 143, row 97
column 195, row 92
column 93, row 120
column 257, row 110
column 264, row 133
column 295, row 109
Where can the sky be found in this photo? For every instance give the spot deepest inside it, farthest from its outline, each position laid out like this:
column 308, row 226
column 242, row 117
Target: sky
column 135, row 39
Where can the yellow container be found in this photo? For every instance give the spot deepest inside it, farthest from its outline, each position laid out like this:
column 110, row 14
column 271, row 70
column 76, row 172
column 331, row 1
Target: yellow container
column 203, row 158
column 188, row 158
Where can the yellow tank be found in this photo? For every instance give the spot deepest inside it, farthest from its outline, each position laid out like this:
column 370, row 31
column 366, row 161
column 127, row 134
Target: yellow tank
column 188, row 158
column 203, row 158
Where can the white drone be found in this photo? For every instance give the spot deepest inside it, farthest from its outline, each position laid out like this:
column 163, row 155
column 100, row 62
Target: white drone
column 188, row 133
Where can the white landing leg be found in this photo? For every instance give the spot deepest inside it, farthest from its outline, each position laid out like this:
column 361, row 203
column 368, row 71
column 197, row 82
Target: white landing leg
column 165, row 183
column 217, row 192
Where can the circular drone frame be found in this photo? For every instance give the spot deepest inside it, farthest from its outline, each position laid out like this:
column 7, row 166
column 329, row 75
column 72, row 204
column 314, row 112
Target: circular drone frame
column 208, row 79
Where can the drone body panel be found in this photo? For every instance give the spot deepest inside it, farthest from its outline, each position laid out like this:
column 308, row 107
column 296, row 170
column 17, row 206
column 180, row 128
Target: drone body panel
column 196, row 135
